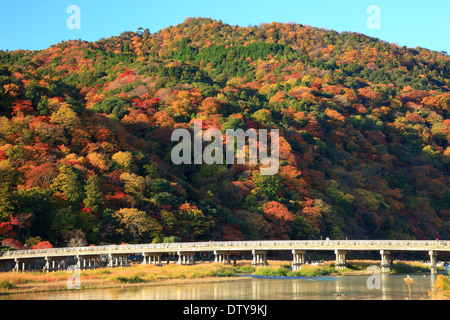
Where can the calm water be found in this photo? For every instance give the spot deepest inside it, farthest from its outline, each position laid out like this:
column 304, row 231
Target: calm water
column 393, row 287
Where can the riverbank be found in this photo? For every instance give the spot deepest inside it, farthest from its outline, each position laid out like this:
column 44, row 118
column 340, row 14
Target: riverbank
column 145, row 275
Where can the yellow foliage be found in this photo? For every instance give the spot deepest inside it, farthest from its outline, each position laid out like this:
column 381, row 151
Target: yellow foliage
column 123, row 159
column 441, row 288
column 98, row 161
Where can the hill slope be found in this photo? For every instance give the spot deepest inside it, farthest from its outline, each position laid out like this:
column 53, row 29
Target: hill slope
column 85, row 137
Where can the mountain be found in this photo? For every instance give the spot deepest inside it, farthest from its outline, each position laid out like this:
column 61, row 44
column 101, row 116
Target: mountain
column 85, row 137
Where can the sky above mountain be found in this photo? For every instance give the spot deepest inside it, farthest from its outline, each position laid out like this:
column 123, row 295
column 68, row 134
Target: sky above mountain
column 34, row 25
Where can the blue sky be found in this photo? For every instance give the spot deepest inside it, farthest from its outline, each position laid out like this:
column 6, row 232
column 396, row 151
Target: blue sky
column 33, row 24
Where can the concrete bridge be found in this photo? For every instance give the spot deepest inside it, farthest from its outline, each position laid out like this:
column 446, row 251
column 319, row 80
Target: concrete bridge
column 118, row 255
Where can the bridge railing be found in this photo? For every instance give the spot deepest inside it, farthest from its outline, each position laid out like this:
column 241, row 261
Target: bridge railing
column 332, row 244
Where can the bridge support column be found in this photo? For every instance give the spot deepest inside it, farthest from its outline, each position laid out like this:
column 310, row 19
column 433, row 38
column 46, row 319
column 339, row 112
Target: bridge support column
column 259, row 258
column 16, row 265
column 152, row 258
column 53, row 264
column 186, row 258
column 298, row 259
column 112, row 261
column 340, row 259
column 81, row 262
column 47, row 264
column 116, row 260
column 433, row 261
column 385, row 261
column 222, row 257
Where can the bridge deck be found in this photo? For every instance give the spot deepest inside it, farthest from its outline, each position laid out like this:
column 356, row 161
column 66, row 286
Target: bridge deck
column 345, row 245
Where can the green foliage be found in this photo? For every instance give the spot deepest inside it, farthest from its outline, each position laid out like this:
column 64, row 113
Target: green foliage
column 136, row 278
column 63, row 221
column 224, row 272
column 272, row 272
column 112, row 105
column 68, row 182
column 403, row 268
column 94, row 199
column 269, row 185
column 5, row 284
column 160, row 185
column 315, row 272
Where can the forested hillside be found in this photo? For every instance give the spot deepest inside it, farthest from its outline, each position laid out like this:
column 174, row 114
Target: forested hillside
column 85, row 137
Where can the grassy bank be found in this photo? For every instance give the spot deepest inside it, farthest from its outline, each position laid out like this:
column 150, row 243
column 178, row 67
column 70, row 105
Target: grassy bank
column 12, row 282
column 327, row 269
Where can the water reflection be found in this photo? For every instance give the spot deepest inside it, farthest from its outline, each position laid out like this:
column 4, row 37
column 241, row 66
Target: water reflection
column 393, row 287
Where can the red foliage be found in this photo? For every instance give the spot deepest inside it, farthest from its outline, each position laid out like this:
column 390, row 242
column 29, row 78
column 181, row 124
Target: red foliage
column 231, row 234
column 12, row 243
column 6, row 228
column 146, row 103
column 21, row 107
column 414, row 118
column 86, row 209
column 127, row 73
column 43, row 245
column 278, row 211
column 40, row 176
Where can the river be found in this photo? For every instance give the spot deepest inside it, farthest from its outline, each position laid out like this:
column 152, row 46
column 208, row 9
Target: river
column 391, row 287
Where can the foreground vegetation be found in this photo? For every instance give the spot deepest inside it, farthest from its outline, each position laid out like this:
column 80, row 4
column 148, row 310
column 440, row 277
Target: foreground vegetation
column 11, row 282
column 353, row 268
column 441, row 288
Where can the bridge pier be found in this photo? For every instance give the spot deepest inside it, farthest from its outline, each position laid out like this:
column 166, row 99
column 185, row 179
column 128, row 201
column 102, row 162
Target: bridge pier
column 24, row 264
column 222, row 257
column 87, row 262
column 118, row 260
column 186, row 258
column 53, row 264
column 259, row 258
column 340, row 259
column 385, row 261
column 152, row 258
column 16, row 267
column 298, row 259
column 433, row 261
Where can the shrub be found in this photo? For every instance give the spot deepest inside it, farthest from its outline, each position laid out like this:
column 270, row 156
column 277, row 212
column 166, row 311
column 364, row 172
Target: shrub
column 7, row 285
column 272, row 272
column 223, row 272
column 401, row 267
column 131, row 279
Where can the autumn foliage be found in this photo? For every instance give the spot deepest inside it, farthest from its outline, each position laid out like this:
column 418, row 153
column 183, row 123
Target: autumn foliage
column 85, row 137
